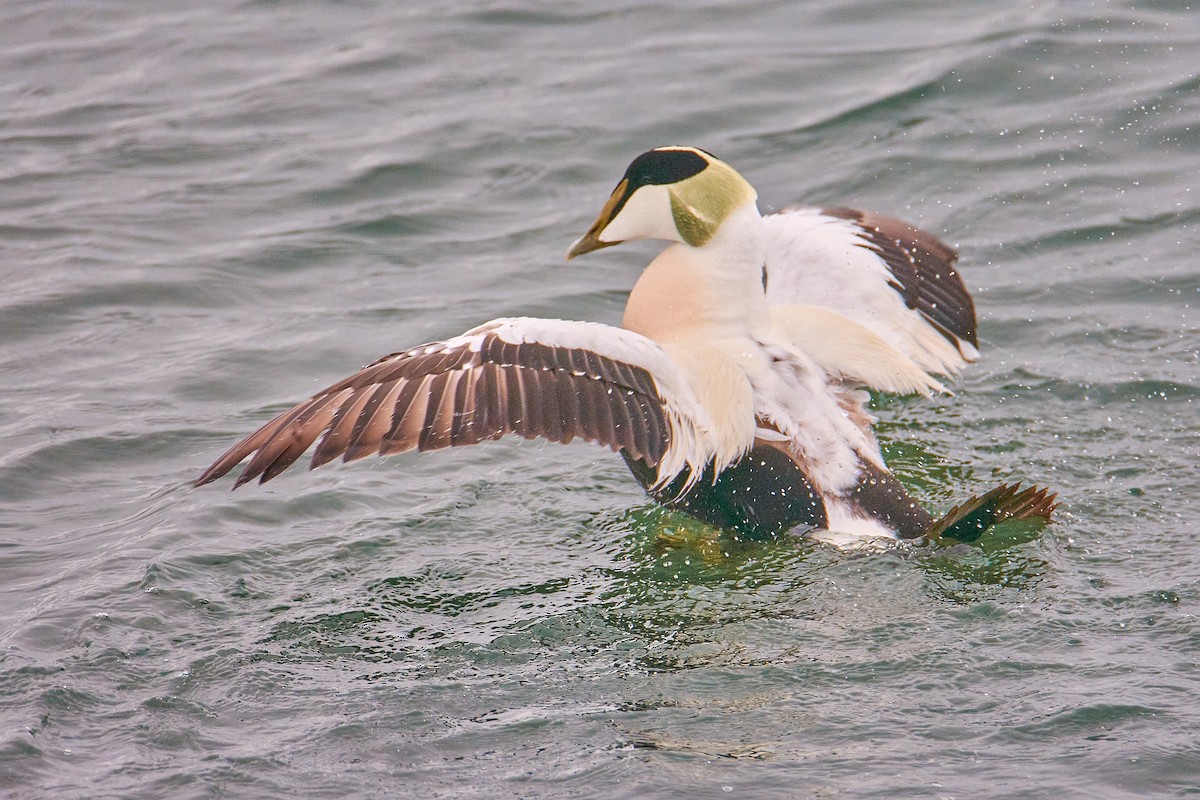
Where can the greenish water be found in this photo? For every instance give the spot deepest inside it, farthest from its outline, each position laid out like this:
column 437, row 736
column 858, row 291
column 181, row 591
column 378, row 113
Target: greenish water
column 207, row 213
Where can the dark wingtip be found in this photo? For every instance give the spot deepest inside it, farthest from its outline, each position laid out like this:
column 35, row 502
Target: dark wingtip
column 968, row 521
column 221, row 468
column 217, row 470
column 207, row 477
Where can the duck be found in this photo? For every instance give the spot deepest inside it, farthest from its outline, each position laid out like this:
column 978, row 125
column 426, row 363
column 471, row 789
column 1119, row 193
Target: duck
column 737, row 386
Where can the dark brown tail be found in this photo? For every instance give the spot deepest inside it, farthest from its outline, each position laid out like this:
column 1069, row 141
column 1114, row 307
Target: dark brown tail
column 970, row 520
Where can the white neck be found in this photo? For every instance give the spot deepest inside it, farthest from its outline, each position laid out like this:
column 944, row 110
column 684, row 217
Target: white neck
column 715, row 290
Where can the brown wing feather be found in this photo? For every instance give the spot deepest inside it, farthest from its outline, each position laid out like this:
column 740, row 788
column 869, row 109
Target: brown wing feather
column 278, row 448
column 923, row 268
column 412, row 403
column 341, row 429
column 443, row 395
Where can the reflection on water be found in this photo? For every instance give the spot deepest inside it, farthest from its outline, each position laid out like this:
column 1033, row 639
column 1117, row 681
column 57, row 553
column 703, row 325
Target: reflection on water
column 671, row 594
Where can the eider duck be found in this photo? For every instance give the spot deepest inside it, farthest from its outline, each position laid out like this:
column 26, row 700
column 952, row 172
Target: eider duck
column 734, row 388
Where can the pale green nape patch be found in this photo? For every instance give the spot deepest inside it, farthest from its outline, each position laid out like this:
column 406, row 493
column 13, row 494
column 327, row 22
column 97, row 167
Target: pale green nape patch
column 700, row 204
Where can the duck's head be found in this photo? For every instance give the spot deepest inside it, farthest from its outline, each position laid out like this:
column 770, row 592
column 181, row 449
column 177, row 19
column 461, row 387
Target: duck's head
column 681, row 194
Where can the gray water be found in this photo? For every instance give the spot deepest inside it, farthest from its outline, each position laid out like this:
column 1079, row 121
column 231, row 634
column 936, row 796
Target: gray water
column 209, row 211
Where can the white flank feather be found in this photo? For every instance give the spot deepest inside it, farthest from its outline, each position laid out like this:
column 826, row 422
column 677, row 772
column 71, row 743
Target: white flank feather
column 722, row 388
column 792, row 392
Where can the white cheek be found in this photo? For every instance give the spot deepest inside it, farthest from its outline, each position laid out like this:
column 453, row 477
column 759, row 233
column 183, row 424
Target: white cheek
column 646, row 215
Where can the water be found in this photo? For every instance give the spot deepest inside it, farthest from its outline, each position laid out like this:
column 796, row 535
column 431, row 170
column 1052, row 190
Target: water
column 208, row 212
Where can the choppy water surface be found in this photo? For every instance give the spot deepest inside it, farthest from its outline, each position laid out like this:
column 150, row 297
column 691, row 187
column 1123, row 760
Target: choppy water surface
column 209, row 211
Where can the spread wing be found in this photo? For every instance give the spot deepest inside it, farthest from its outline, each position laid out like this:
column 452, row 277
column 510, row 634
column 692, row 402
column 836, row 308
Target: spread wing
column 534, row 377
column 896, row 280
